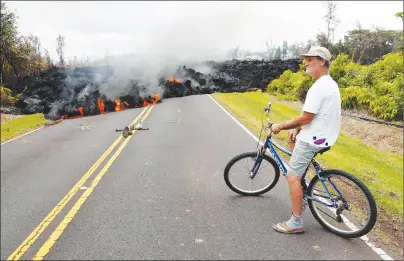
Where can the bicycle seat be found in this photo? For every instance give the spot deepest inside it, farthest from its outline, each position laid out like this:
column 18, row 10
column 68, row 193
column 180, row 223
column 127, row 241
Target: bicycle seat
column 324, row 150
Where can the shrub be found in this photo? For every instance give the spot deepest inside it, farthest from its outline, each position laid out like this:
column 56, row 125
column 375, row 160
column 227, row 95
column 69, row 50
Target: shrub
column 291, row 86
column 6, row 96
column 385, row 107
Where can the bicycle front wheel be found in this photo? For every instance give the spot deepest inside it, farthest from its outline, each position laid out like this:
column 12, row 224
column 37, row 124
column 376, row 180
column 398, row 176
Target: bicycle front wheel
column 354, row 213
column 237, row 174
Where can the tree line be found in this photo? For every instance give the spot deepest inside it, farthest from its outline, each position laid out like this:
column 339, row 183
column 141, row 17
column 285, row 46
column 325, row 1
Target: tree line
column 363, row 46
column 21, row 55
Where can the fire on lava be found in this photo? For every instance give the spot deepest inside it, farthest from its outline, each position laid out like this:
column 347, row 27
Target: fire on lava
column 119, row 105
column 171, row 79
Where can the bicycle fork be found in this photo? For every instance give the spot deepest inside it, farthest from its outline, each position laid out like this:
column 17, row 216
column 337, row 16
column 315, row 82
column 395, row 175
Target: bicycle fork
column 258, row 161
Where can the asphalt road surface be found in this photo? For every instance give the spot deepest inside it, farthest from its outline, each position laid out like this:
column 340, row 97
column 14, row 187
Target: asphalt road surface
column 163, row 197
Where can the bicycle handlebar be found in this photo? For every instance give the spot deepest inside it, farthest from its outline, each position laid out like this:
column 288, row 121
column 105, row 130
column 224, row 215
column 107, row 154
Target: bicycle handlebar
column 267, row 109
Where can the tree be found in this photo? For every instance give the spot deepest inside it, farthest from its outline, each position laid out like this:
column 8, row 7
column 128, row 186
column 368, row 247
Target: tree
column 321, row 40
column 8, row 40
column 60, row 48
column 20, row 55
column 270, row 49
column 284, row 49
column 48, row 59
column 365, row 46
column 278, row 53
column 28, row 59
column 235, row 52
column 331, row 20
column 296, row 49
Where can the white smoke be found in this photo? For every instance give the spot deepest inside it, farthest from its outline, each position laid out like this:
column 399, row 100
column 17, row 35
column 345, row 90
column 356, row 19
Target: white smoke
column 172, row 39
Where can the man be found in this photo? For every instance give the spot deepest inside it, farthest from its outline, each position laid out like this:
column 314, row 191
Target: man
column 317, row 127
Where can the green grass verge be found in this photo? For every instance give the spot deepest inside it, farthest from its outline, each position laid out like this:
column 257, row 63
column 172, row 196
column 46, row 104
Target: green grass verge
column 21, row 125
column 381, row 171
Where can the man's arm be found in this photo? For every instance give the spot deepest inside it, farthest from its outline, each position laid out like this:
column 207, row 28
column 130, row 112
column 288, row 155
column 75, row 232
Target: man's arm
column 297, row 122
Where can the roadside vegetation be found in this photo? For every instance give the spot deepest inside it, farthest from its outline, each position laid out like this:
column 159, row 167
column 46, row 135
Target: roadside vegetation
column 20, row 125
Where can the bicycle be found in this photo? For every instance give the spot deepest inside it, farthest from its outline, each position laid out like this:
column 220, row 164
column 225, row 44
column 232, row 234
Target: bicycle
column 336, row 203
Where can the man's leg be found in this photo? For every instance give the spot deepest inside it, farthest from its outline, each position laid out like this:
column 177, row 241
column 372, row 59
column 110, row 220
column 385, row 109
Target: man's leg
column 302, row 155
column 296, row 191
column 296, row 194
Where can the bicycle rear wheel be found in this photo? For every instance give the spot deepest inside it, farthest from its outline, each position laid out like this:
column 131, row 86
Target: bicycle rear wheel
column 265, row 179
column 356, row 211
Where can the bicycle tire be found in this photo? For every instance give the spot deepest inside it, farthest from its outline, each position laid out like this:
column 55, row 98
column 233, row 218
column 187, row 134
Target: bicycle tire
column 366, row 192
column 247, row 155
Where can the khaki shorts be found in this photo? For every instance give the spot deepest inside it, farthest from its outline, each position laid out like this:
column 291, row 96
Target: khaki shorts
column 302, row 155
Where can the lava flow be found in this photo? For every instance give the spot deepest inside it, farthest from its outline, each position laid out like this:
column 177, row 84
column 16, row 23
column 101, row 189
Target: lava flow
column 118, row 105
column 80, row 109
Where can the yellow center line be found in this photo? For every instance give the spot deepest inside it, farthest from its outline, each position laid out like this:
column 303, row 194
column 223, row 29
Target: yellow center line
column 44, row 250
column 26, row 244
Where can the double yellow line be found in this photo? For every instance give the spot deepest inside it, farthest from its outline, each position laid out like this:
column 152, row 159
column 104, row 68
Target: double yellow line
column 44, row 250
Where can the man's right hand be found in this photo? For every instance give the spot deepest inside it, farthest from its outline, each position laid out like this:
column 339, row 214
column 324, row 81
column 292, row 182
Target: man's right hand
column 292, row 134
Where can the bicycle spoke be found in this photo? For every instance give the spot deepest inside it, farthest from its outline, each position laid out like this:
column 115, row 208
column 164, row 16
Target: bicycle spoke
column 245, row 171
column 325, row 192
column 246, row 184
column 327, row 214
column 260, row 180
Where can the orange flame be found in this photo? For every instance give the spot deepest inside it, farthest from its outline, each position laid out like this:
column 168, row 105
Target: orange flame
column 156, row 98
column 117, row 105
column 145, row 102
column 101, row 106
column 80, row 109
column 172, row 80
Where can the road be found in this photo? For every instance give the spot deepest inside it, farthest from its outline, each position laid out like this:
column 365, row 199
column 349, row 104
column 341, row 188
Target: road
column 163, row 197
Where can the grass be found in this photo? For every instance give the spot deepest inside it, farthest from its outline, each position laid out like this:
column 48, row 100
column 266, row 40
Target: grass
column 21, row 125
column 382, row 172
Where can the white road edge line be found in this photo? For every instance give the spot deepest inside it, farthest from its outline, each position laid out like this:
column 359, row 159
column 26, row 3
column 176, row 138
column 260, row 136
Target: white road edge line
column 378, row 251
column 21, row 136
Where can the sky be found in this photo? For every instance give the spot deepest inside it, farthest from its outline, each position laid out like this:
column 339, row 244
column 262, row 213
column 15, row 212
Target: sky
column 190, row 29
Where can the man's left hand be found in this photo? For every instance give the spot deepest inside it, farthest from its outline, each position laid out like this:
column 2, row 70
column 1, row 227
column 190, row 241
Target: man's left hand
column 276, row 128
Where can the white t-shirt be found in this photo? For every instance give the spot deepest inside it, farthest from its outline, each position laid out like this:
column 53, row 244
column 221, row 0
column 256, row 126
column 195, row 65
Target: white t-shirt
column 324, row 100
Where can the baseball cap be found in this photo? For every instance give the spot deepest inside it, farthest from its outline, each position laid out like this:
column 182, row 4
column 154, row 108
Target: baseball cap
column 318, row 51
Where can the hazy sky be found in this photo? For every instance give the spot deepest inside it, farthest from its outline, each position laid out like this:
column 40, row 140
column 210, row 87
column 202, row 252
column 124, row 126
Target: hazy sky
column 188, row 28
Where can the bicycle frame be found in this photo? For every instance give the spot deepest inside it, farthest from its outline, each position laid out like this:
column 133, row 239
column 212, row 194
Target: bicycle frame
column 270, row 144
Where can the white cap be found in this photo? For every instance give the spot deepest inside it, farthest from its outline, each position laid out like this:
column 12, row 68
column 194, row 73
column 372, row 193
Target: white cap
column 318, row 51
